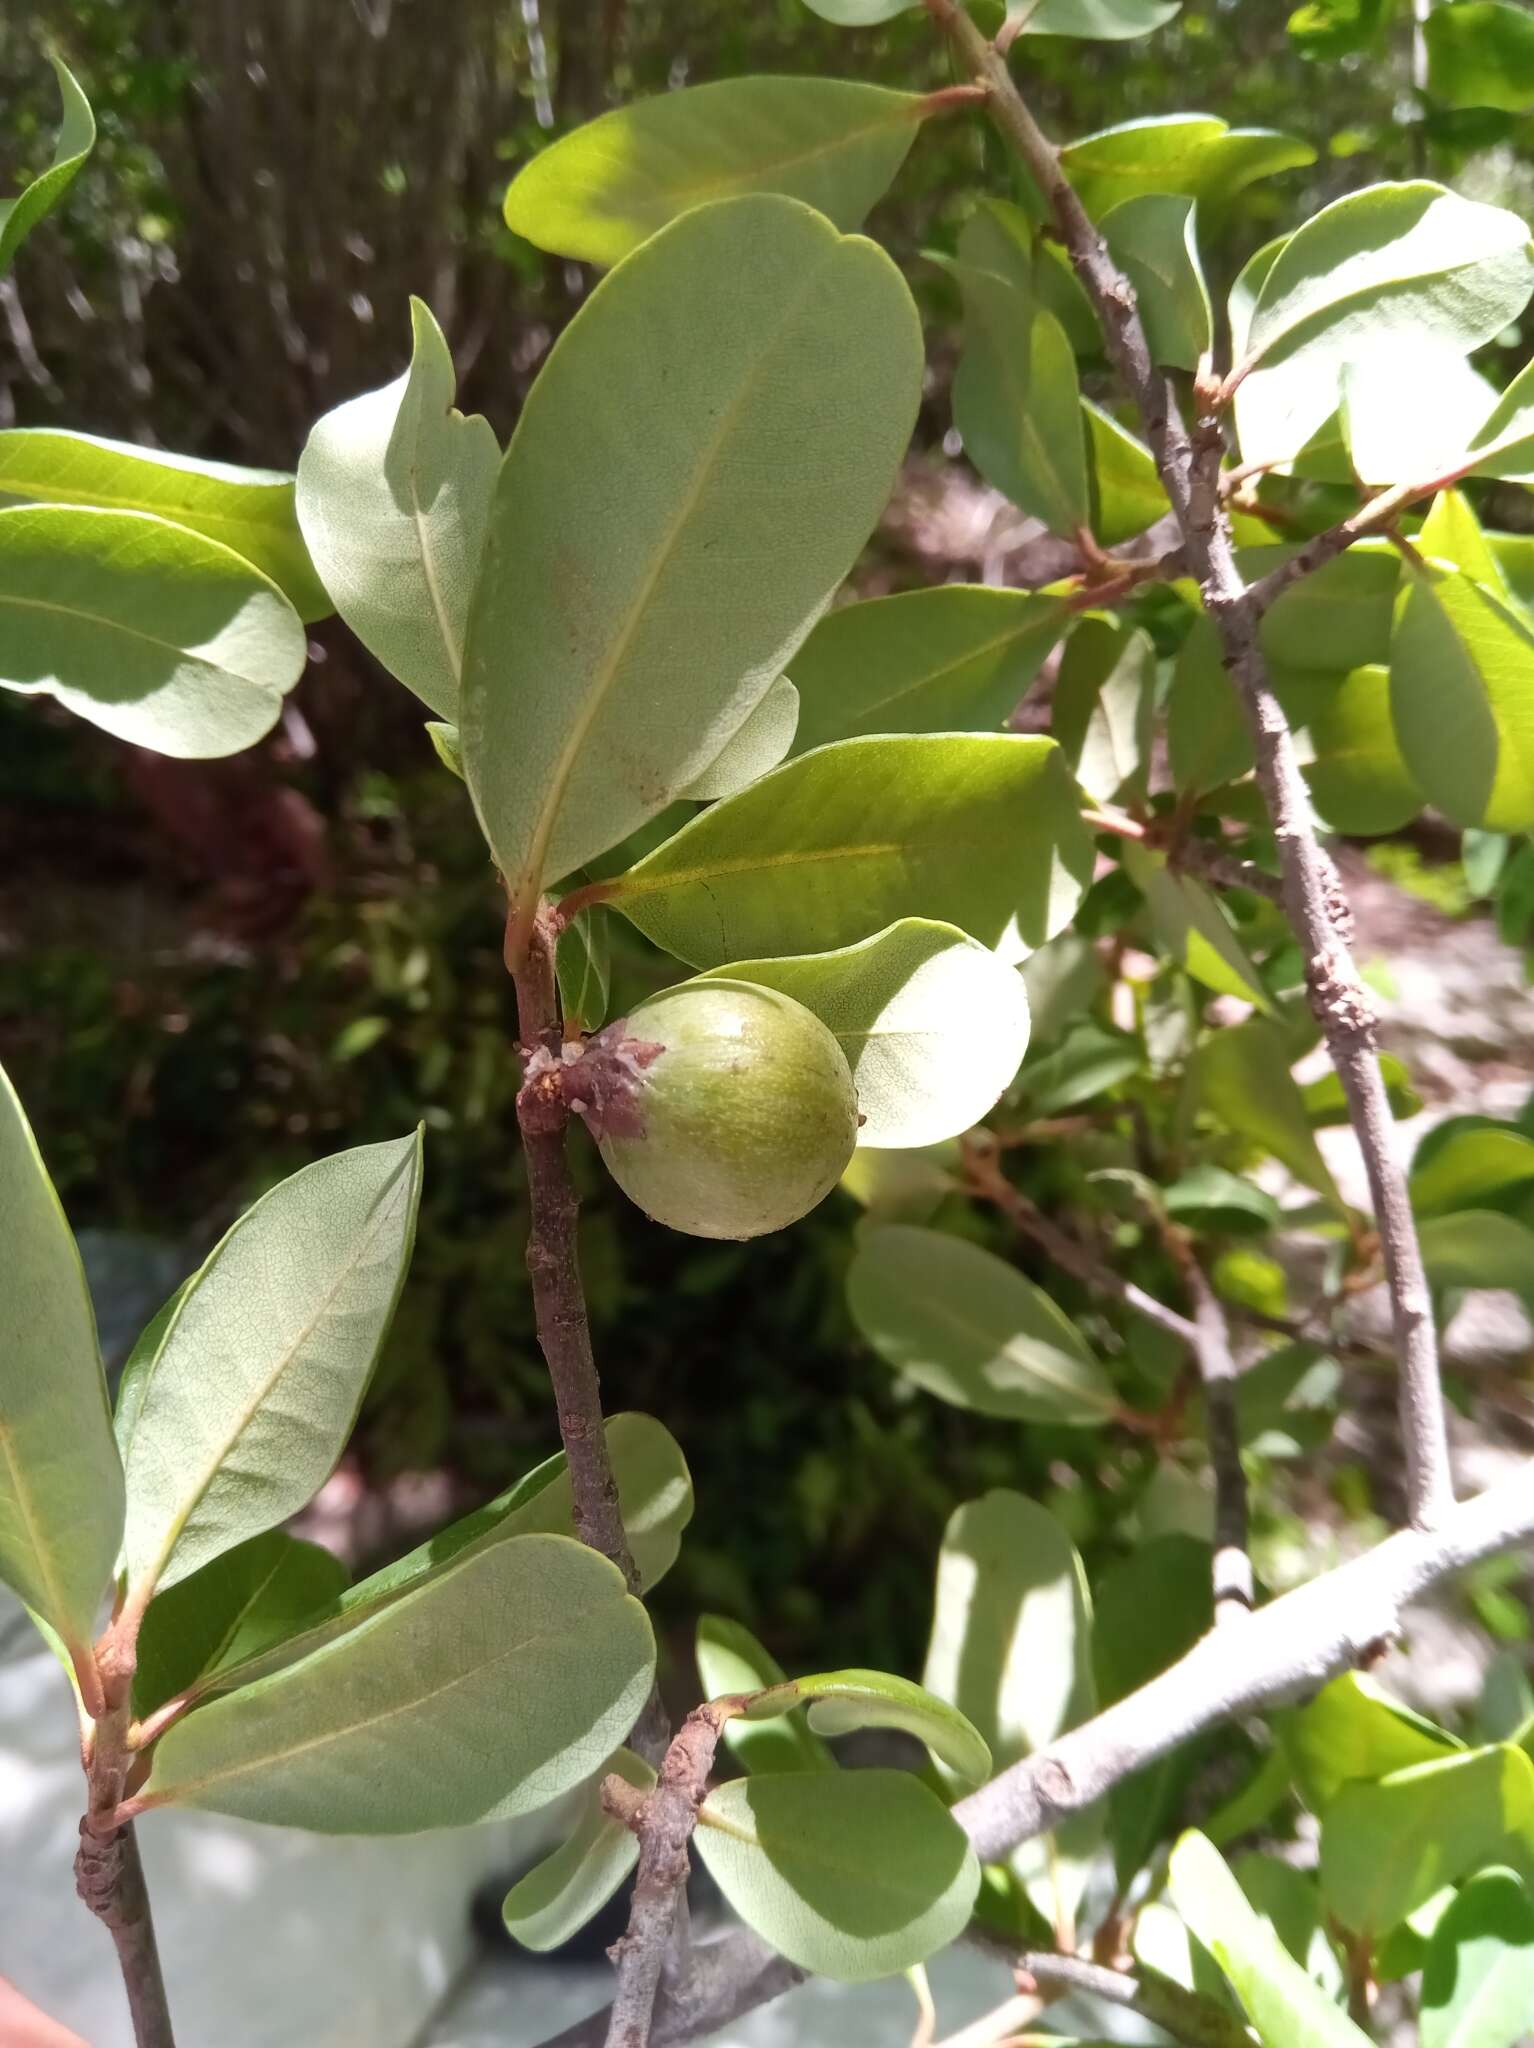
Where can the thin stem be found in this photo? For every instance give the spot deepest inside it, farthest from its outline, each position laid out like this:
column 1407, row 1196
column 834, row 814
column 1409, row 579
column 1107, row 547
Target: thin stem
column 1233, row 1587
column 1189, row 467
column 663, row 1821
column 986, row 1179
column 1378, row 516
column 109, row 1877
column 1188, row 2017
column 553, row 1264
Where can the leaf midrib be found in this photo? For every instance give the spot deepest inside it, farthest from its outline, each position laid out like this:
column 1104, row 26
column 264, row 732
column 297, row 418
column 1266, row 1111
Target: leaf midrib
column 693, row 192
column 246, row 1413
column 596, row 698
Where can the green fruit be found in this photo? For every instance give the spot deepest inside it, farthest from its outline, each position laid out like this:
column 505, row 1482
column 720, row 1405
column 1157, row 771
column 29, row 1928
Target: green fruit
column 748, row 1112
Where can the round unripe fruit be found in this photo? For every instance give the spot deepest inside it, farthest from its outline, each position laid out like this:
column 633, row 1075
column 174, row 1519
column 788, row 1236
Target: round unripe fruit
column 748, row 1112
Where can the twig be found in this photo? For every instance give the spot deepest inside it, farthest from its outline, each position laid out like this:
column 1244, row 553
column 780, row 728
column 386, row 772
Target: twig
column 1378, row 516
column 553, row 1264
column 1188, row 2017
column 1284, row 1651
column 1189, row 469
column 986, row 1179
column 663, row 1819
column 1233, row 1589
column 1191, row 856
column 109, row 1877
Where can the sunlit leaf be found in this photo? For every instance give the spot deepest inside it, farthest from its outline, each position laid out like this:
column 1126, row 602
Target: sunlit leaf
column 1283, row 2003
column 850, row 1874
column 1191, row 924
column 1389, row 1844
column 76, row 139
column 251, row 1395
column 61, row 1483
column 485, row 1693
column 1127, row 494
column 969, row 1328
column 394, row 497
column 666, row 491
column 599, row 192
column 753, row 748
column 1478, row 1976
column 157, row 634
column 559, row 1895
column 1104, row 709
column 1196, row 156
column 979, row 830
column 933, row 1024
column 248, row 510
column 1354, row 1730
column 1480, row 53
column 1244, row 1079
column 1152, row 238
column 955, row 658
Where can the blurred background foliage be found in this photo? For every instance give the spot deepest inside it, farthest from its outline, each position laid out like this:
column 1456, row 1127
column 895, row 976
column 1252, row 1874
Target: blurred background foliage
column 210, row 971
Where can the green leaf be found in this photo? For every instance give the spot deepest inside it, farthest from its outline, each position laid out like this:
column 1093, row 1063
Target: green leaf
column 1353, row 1730
column 755, row 746
column 1127, row 494
column 956, row 658
column 1392, row 262
column 1325, row 29
column 1217, row 1200
column 1392, row 437
column 1289, row 1900
column 1087, row 1062
column 666, row 488
column 76, row 140
column 731, row 1660
column 1244, row 1080
column 1151, row 1608
column 933, row 1024
column 559, row 1895
column 485, row 1693
column 1479, row 1248
column 1193, row 927
column 1388, row 1845
column 901, row 1187
column 1339, row 618
column 1152, row 239
column 1504, row 437
column 251, row 1395
column 248, row 510
column 1326, row 1104
column 1101, row 21
column 1016, row 401
column 1358, row 780
column 841, row 1702
column 850, row 1874
column 61, row 1484
column 446, row 745
column 1478, row 1977
column 601, row 191
column 235, row 1608
column 1104, row 709
column 1244, row 293
column 1453, row 536
column 970, row 1329
column 1480, row 53
column 394, row 494
column 1285, row 2007
column 1011, row 1649
column 655, row 1500
column 1196, row 156
column 583, row 958
column 979, row 830
column 1208, row 742
column 156, row 634
column 1471, row 1167
column 1011, row 1641
column 1462, row 697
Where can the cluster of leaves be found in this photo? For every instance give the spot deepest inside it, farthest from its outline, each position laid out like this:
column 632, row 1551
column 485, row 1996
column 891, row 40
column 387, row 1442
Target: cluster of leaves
column 604, row 621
